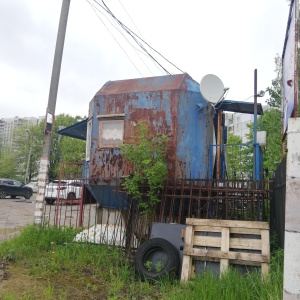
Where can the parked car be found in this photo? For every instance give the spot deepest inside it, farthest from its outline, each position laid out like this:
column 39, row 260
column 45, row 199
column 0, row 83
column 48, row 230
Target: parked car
column 33, row 185
column 63, row 189
column 14, row 188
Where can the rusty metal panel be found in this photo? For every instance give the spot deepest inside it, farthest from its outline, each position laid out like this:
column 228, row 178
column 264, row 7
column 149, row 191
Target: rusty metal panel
column 170, row 105
column 139, row 85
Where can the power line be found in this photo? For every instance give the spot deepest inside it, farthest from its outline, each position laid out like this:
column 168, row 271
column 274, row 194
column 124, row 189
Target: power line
column 137, row 30
column 136, row 38
column 128, row 31
column 113, row 36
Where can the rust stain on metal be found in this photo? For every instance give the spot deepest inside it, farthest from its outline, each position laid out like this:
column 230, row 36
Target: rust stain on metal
column 160, row 83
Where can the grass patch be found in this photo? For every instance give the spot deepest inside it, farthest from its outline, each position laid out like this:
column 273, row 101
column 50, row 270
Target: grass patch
column 44, row 263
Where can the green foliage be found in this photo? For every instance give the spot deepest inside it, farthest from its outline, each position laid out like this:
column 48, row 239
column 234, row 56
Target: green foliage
column 148, row 158
column 271, row 122
column 64, row 148
column 46, row 257
column 27, row 147
column 238, row 158
column 7, row 163
column 272, row 153
column 28, row 142
column 275, row 89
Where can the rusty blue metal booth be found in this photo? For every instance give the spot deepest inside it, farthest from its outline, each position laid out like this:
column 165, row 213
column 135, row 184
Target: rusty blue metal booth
column 171, row 105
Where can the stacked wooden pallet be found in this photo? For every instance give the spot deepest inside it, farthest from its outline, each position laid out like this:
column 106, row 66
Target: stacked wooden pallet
column 227, row 242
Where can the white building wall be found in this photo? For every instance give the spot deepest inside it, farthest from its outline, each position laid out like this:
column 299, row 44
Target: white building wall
column 237, row 124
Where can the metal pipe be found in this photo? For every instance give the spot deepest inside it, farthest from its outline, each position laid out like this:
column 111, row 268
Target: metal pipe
column 255, row 144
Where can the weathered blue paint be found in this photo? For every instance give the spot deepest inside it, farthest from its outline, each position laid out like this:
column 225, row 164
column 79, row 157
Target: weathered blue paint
column 172, row 105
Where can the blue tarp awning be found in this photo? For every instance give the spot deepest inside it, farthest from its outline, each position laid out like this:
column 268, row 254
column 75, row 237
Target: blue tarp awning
column 77, row 131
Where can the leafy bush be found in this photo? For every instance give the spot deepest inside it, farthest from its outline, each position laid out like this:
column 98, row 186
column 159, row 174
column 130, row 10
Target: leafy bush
column 148, row 156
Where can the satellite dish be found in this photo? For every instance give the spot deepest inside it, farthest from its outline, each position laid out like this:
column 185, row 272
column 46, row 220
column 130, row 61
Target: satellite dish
column 212, row 88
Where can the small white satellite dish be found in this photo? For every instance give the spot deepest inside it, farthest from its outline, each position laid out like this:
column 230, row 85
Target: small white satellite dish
column 212, row 88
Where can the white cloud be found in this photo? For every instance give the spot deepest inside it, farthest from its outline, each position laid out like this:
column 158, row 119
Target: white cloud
column 228, row 38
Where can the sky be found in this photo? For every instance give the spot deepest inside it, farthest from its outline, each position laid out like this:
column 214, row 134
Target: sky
column 229, row 39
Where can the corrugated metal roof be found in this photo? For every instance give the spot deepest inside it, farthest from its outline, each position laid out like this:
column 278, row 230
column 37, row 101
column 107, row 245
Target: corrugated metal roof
column 148, row 84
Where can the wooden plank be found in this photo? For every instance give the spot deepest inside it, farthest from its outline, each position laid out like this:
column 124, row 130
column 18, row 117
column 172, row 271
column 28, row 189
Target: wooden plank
column 207, row 241
column 265, row 251
column 232, row 261
column 203, row 228
column 236, row 243
column 207, row 228
column 187, row 260
column 243, row 230
column 228, row 223
column 224, row 263
column 248, row 235
column 242, row 256
column 247, row 244
column 186, row 268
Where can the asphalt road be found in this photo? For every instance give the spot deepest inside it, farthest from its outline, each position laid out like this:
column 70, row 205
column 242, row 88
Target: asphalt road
column 15, row 214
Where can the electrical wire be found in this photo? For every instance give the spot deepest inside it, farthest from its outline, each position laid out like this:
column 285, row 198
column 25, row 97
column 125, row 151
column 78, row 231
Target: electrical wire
column 138, row 32
column 94, row 8
column 135, row 49
column 136, row 38
column 128, row 31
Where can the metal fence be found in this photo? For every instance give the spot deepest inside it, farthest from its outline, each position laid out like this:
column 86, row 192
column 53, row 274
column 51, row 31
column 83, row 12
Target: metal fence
column 277, row 207
column 106, row 214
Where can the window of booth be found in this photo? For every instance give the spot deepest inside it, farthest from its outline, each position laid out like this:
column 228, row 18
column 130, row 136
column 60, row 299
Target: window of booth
column 111, row 133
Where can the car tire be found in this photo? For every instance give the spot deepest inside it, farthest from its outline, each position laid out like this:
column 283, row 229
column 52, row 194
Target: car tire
column 2, row 194
column 27, row 195
column 71, row 196
column 50, row 201
column 156, row 259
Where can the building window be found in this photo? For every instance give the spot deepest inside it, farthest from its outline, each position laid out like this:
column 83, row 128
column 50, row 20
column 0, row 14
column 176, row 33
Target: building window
column 111, row 133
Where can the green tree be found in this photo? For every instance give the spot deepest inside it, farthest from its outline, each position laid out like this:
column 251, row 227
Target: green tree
column 7, row 163
column 64, row 148
column 148, row 156
column 27, row 148
column 27, row 141
column 272, row 152
column 238, row 158
column 275, row 89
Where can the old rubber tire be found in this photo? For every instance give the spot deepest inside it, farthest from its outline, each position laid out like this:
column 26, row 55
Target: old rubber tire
column 155, row 259
column 50, row 201
column 2, row 194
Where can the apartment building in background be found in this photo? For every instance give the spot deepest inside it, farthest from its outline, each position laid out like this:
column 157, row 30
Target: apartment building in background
column 237, row 123
column 7, row 126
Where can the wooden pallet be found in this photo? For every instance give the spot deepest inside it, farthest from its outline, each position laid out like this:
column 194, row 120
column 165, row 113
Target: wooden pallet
column 227, row 242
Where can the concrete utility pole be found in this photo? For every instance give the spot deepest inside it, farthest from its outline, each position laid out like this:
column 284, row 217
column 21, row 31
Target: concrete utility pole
column 291, row 280
column 44, row 163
